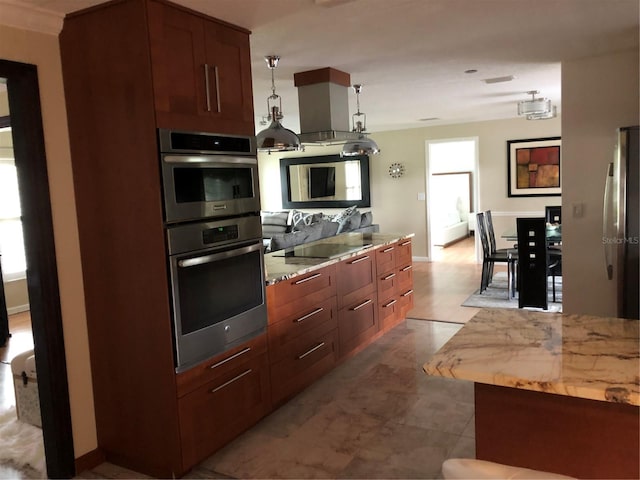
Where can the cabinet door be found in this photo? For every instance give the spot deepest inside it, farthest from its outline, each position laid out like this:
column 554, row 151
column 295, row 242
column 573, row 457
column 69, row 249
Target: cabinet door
column 228, row 63
column 177, row 62
column 403, row 255
column 389, row 313
column 386, row 258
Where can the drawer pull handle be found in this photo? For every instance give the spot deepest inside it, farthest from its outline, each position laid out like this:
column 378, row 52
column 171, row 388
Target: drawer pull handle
column 206, row 87
column 366, row 302
column 386, row 250
column 408, row 267
column 317, row 310
column 406, row 294
column 404, row 244
column 307, row 279
column 389, row 277
column 231, row 381
column 215, row 73
column 309, row 352
column 392, row 302
column 235, row 355
column 358, row 260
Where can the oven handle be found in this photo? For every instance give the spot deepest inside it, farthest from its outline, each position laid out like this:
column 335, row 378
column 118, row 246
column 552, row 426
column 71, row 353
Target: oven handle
column 214, row 257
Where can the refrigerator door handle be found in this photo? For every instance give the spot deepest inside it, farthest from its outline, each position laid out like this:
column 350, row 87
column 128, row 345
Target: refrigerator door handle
column 607, row 224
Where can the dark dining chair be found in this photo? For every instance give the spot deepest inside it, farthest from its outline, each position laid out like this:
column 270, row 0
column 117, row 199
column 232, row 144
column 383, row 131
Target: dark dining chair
column 533, row 263
column 489, row 258
column 553, row 214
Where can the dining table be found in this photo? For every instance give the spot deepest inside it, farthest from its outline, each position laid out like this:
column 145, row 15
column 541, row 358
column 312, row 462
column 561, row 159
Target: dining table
column 553, row 234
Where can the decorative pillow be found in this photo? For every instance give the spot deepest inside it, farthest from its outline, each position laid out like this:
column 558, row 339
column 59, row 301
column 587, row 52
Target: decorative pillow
column 366, row 219
column 300, row 219
column 274, row 222
column 329, row 229
column 350, row 223
column 344, row 214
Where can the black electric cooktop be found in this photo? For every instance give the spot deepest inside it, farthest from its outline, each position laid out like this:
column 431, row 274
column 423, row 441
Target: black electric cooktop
column 322, row 250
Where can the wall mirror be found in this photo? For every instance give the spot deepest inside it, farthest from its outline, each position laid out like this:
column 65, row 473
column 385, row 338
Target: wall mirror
column 325, row 181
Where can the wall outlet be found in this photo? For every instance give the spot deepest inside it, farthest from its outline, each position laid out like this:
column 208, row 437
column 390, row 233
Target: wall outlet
column 577, row 210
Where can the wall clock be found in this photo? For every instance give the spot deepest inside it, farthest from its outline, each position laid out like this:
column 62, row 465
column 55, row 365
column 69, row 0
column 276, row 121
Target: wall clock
column 396, row 170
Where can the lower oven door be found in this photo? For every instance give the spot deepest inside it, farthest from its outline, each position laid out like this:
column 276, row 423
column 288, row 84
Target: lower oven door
column 218, row 300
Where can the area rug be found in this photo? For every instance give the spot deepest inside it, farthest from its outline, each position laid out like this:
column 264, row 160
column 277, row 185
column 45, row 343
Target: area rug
column 495, row 296
column 21, row 444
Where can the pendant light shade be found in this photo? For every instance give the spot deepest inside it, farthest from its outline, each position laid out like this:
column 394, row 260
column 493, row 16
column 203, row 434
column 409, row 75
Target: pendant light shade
column 276, row 138
column 535, row 106
column 363, row 145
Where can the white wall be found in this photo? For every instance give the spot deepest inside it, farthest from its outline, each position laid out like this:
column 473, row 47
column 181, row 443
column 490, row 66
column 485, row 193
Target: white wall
column 599, row 94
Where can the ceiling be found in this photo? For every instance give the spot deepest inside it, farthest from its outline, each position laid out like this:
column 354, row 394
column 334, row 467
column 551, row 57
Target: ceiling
column 411, row 55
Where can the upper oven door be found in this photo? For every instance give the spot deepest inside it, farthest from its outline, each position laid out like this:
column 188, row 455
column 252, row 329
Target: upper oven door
column 208, row 186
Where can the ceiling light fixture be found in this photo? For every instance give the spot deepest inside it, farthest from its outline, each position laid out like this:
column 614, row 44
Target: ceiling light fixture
column 276, row 138
column 363, row 145
column 544, row 116
column 535, row 106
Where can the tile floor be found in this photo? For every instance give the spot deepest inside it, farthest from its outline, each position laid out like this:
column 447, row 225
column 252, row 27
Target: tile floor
column 378, row 415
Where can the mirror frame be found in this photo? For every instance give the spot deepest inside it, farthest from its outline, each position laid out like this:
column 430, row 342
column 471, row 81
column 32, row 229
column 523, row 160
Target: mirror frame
column 286, row 183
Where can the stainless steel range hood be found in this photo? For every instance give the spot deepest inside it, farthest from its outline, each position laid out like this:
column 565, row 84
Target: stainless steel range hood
column 323, row 102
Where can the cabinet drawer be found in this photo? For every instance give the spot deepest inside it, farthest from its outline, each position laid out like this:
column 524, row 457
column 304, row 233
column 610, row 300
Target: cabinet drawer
column 217, row 412
column 303, row 361
column 321, row 317
column 387, row 285
column 220, row 365
column 301, row 292
column 389, row 313
column 403, row 255
column 386, row 258
column 356, row 278
column 405, row 301
column 404, row 279
column 357, row 322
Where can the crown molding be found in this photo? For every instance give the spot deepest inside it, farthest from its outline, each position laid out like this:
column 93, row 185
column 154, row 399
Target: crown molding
column 14, row 13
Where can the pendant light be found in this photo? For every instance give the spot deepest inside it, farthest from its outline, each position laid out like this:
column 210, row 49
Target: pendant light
column 535, row 106
column 362, row 145
column 276, row 138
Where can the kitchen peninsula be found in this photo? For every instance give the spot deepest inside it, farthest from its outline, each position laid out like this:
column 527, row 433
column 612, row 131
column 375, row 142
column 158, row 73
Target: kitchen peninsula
column 329, row 299
column 553, row 392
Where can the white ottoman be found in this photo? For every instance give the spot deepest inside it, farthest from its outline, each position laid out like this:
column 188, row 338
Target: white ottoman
column 25, row 385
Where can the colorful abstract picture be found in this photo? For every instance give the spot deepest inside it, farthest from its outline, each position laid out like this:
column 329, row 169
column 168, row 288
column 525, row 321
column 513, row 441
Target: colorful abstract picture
column 534, row 167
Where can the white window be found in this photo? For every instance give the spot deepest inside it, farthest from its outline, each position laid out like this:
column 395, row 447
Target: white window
column 11, row 239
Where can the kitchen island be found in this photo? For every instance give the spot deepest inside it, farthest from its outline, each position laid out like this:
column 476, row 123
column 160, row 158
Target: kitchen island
column 553, row 392
column 329, row 299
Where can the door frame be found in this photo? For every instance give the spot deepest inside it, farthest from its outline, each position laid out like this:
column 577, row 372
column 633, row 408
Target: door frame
column 42, row 274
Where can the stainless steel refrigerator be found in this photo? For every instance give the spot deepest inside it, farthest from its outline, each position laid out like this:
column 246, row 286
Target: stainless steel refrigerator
column 621, row 236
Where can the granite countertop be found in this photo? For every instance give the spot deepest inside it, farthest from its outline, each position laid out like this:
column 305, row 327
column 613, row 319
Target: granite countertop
column 280, row 267
column 580, row 356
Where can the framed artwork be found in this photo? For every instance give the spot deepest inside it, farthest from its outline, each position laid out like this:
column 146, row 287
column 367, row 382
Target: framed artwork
column 534, row 167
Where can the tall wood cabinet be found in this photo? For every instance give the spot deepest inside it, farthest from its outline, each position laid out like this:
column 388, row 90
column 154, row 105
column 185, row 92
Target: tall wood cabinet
column 129, row 67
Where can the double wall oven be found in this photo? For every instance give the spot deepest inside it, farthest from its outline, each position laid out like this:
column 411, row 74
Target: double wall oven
column 214, row 242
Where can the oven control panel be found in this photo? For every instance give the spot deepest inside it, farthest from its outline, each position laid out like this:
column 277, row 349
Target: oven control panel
column 220, row 234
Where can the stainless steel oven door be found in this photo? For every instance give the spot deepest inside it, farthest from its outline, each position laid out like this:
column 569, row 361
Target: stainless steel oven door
column 218, row 300
column 209, row 186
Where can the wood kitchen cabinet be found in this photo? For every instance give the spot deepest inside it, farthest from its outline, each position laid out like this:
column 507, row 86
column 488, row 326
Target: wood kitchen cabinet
column 357, row 302
column 201, row 72
column 302, row 331
column 387, row 279
column 129, row 67
column 221, row 398
column 404, row 274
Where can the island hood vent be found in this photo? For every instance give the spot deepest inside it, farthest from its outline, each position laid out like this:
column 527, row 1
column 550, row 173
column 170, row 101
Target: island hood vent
column 323, row 102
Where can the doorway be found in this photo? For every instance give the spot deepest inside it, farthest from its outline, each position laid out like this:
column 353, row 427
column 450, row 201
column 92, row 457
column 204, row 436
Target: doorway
column 21, row 81
column 452, row 189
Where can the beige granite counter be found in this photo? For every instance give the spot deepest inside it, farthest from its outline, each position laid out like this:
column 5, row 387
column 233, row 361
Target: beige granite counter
column 279, row 267
column 574, row 355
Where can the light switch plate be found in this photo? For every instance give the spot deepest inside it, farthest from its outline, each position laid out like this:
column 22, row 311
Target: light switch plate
column 577, row 210
column 422, row 196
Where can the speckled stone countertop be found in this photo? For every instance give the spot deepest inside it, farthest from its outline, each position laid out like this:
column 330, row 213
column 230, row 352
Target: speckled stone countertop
column 279, row 267
column 575, row 355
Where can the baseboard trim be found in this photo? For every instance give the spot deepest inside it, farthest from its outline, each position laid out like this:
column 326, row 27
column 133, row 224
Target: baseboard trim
column 420, row 259
column 18, row 309
column 90, row 460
